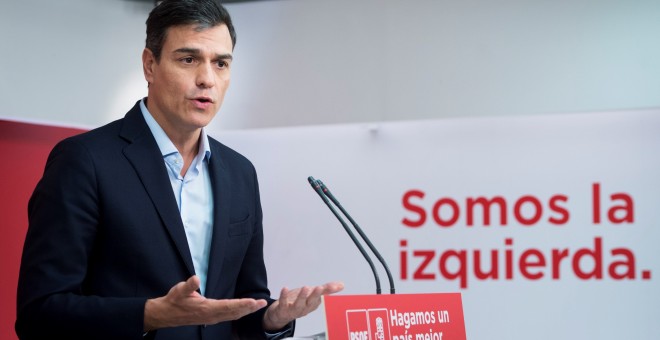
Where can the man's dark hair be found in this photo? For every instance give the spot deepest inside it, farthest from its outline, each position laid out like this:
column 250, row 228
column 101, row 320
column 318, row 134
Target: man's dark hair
column 169, row 13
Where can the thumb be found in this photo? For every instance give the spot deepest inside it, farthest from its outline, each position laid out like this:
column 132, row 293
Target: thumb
column 191, row 285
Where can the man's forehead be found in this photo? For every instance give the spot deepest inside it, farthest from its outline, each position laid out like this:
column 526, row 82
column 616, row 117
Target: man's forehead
column 198, row 36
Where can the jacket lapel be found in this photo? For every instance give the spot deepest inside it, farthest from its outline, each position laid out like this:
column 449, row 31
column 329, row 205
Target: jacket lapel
column 144, row 155
column 221, row 208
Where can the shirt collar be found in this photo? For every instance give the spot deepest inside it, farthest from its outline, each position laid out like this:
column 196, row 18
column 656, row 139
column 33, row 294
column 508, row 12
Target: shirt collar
column 164, row 143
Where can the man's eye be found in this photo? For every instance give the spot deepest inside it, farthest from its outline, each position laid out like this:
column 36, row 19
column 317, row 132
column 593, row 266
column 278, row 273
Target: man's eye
column 188, row 60
column 223, row 64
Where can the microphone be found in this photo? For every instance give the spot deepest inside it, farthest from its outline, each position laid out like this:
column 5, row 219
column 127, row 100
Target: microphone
column 327, row 192
column 324, row 192
column 318, row 190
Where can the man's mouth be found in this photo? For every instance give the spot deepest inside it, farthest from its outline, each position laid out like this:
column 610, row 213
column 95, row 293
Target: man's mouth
column 204, row 99
column 202, row 103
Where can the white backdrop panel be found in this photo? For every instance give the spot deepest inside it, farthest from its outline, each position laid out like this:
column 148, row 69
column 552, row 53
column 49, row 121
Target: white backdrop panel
column 555, row 160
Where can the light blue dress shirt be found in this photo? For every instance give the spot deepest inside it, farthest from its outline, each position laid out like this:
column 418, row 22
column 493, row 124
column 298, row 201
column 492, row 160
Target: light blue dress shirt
column 192, row 192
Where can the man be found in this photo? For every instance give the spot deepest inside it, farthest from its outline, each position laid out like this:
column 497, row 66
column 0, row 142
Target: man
column 147, row 227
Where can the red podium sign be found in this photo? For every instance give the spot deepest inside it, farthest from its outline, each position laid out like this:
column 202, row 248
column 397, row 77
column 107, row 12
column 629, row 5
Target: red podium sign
column 394, row 317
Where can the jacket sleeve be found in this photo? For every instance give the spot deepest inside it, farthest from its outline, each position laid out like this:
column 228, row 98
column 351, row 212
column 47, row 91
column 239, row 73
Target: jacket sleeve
column 63, row 215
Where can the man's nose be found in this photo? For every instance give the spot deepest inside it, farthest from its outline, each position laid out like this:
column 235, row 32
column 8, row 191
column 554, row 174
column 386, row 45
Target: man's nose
column 205, row 76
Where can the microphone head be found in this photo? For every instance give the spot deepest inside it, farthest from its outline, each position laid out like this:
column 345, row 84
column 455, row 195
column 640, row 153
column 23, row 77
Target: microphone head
column 313, row 182
column 322, row 186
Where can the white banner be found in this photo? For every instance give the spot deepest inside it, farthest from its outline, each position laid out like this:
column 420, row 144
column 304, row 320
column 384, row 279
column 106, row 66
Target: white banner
column 547, row 225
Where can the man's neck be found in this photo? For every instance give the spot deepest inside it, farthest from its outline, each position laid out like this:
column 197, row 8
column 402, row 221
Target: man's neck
column 185, row 141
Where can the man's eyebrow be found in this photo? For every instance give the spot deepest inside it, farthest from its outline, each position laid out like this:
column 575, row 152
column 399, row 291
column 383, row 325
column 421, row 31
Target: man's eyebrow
column 224, row 56
column 196, row 51
column 187, row 50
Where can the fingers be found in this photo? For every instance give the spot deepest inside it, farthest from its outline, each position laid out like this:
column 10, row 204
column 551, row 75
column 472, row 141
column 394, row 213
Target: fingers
column 284, row 293
column 333, row 287
column 223, row 310
column 297, row 303
column 184, row 305
column 304, row 299
column 241, row 304
column 325, row 289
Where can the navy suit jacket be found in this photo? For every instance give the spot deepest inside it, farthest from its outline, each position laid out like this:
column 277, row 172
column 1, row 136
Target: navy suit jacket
column 105, row 235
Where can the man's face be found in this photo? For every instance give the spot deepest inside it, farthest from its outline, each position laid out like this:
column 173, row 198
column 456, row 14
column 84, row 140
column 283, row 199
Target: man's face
column 188, row 84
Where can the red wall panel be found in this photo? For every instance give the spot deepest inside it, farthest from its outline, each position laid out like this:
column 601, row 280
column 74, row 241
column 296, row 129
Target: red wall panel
column 24, row 148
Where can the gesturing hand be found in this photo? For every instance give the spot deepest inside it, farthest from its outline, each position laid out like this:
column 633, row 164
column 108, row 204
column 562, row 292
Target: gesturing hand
column 183, row 306
column 297, row 303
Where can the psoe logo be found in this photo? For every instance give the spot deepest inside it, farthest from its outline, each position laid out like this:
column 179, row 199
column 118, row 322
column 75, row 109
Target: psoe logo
column 379, row 328
column 367, row 324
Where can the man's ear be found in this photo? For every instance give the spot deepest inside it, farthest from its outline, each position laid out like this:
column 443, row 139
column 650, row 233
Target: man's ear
column 148, row 61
